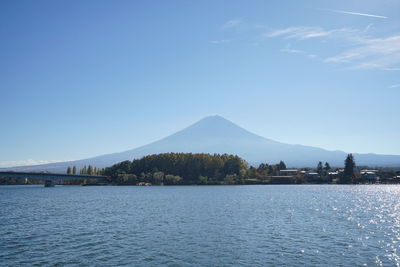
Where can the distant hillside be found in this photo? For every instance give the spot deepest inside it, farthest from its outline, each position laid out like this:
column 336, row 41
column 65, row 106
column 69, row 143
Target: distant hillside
column 215, row 134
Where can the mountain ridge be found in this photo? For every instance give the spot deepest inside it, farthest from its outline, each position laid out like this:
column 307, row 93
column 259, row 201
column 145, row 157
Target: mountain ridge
column 215, row 134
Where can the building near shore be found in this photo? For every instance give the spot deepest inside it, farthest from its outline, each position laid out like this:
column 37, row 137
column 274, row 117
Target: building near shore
column 291, row 172
column 369, row 174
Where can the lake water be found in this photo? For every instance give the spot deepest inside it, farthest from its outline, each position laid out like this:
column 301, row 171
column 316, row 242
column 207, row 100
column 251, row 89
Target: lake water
column 200, row 225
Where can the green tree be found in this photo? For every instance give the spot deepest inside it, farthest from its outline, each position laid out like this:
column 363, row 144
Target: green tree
column 158, row 177
column 127, row 179
column 84, row 170
column 327, row 167
column 202, row 179
column 270, row 170
column 230, row 179
column 69, row 170
column 90, row 170
column 320, row 169
column 282, row 165
column 172, row 179
column 74, row 170
column 348, row 173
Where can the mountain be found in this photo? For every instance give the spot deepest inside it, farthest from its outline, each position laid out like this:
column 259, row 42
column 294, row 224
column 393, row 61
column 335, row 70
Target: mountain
column 215, row 134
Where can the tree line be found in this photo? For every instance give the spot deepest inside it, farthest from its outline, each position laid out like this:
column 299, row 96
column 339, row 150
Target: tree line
column 207, row 169
column 180, row 168
column 203, row 169
column 86, row 170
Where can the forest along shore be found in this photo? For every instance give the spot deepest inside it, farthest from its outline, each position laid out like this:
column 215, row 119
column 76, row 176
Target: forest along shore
column 222, row 169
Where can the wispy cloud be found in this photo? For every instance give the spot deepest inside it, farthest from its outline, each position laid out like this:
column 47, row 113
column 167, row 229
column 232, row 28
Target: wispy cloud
column 28, row 162
column 366, row 52
column 293, row 51
column 289, row 49
column 298, row 33
column 352, row 47
column 392, row 69
column 233, row 23
column 375, row 53
column 302, row 33
column 357, row 13
column 223, row 41
column 369, row 26
column 395, row 85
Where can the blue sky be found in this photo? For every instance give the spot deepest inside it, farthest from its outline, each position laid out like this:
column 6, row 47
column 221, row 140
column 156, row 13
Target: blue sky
column 84, row 78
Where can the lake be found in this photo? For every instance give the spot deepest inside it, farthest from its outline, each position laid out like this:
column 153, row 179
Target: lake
column 257, row 225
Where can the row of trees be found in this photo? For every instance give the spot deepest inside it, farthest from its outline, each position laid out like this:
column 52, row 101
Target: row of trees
column 89, row 170
column 349, row 174
column 71, row 170
column 188, row 168
column 323, row 170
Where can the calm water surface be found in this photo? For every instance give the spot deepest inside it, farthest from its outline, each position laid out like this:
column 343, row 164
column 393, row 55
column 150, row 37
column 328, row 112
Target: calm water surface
column 200, row 225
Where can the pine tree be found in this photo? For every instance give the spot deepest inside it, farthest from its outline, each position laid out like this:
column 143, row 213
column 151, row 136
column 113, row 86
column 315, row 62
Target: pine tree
column 282, row 165
column 74, row 170
column 327, row 168
column 69, row 170
column 319, row 168
column 84, row 170
column 90, row 170
column 348, row 173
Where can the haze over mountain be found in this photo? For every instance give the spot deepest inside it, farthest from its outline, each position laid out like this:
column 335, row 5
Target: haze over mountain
column 215, row 134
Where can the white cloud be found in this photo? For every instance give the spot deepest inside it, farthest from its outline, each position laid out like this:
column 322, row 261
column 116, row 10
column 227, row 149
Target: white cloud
column 301, row 33
column 366, row 52
column 223, row 41
column 358, row 14
column 374, row 53
column 395, row 85
column 293, row 51
column 392, row 69
column 369, row 26
column 232, row 24
column 281, row 32
column 28, row 162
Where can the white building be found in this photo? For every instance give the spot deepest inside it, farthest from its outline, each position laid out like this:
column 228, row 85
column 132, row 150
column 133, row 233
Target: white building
column 369, row 174
column 288, row 172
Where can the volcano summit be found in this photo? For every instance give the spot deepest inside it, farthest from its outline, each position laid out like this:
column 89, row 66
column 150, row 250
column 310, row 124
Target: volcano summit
column 215, row 134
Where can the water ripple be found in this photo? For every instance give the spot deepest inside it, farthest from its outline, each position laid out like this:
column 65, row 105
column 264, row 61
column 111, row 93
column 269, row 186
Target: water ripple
column 311, row 225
